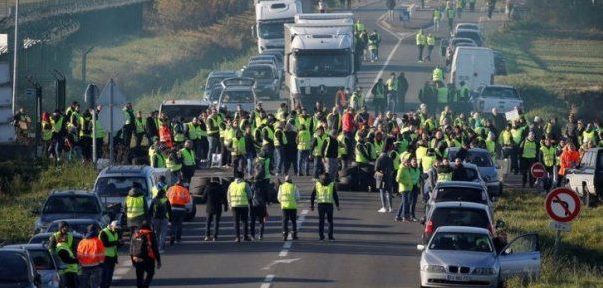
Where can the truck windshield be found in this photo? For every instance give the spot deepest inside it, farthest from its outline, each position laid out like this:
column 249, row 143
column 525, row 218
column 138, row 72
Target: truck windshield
column 273, row 29
column 322, row 64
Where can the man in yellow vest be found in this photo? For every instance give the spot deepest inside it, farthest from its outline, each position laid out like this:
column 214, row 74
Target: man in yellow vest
column 548, row 158
column 156, row 157
column 304, row 143
column 139, row 128
column 437, row 16
column 288, row 195
column 194, row 132
column 442, row 96
column 110, row 238
column 430, row 44
column 72, row 268
column 239, row 196
column 421, row 43
column 529, row 152
column 317, row 142
column 325, row 194
column 189, row 161
column 135, row 208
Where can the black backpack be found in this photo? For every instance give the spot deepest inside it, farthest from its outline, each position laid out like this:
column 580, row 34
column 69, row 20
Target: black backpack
column 139, row 246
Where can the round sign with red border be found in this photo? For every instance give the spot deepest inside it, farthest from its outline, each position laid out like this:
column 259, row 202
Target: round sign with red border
column 562, row 205
column 538, row 171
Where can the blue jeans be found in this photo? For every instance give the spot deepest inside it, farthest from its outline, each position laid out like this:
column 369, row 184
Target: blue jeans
column 249, row 159
column 213, row 147
column 414, row 194
column 302, row 161
column 279, row 159
column 161, row 230
column 386, row 198
column 391, row 101
column 91, row 277
column 177, row 219
column 108, row 268
column 404, row 205
column 319, row 167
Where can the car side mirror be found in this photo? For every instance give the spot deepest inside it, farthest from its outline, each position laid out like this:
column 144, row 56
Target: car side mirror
column 420, row 247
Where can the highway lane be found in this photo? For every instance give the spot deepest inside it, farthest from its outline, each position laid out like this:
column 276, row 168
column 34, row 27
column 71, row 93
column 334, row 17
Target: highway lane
column 371, row 250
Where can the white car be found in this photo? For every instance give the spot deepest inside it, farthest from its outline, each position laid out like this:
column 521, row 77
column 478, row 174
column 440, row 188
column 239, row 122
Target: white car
column 502, row 97
column 467, row 26
column 450, row 191
column 467, row 257
column 238, row 92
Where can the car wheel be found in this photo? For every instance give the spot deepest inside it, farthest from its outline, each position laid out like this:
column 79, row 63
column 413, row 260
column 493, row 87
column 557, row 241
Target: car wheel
column 191, row 216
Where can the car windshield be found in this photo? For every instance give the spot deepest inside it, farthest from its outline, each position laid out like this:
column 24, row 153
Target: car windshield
column 478, row 158
column 80, row 228
column 458, row 41
column 273, row 29
column 458, row 241
column 258, row 72
column 460, row 216
column 215, row 93
column 41, row 259
column 322, row 64
column 499, row 92
column 188, row 112
column 467, row 26
column 215, row 80
column 71, row 204
column 468, row 34
column 13, row 268
column 118, row 186
column 237, row 97
column 464, row 194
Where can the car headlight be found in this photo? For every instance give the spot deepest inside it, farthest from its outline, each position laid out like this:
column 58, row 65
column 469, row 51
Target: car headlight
column 484, row 271
column 433, row 268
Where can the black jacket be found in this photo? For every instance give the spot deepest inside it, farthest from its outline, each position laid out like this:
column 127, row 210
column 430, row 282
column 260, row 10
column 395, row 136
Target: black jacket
column 215, row 197
column 385, row 165
column 325, row 181
column 330, row 147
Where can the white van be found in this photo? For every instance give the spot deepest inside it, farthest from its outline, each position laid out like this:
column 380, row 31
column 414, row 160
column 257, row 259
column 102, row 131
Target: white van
column 474, row 65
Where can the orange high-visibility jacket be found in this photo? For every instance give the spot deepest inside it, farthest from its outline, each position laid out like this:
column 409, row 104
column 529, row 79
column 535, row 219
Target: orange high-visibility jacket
column 165, row 136
column 90, row 252
column 178, row 195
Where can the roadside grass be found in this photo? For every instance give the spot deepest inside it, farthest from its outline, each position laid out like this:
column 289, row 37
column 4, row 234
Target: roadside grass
column 552, row 68
column 154, row 63
column 580, row 260
column 16, row 223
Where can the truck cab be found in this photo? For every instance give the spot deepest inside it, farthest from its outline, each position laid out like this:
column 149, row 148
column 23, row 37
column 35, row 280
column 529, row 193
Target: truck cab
column 319, row 57
column 587, row 178
column 270, row 17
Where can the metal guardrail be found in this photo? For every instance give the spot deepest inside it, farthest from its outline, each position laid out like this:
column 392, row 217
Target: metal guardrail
column 31, row 10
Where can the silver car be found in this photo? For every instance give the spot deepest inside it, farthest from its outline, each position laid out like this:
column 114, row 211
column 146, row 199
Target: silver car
column 466, row 257
column 488, row 169
column 458, row 191
column 45, row 264
column 238, row 92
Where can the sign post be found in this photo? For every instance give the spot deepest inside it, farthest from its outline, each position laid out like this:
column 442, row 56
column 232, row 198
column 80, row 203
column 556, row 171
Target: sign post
column 538, row 171
column 563, row 206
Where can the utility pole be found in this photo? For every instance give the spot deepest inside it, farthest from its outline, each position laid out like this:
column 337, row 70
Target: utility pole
column 15, row 57
column 85, row 53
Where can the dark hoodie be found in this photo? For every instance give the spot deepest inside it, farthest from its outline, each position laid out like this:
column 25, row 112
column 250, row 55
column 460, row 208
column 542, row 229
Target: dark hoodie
column 325, row 181
column 136, row 221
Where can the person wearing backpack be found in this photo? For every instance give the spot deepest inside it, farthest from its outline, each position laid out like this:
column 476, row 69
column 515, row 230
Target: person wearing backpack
column 144, row 255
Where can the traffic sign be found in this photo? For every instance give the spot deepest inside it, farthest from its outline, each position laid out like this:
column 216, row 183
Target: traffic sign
column 538, row 171
column 560, row 226
column 562, row 205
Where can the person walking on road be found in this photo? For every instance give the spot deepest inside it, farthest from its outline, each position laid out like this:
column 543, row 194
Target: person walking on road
column 288, row 195
column 239, row 196
column 415, row 176
column 179, row 197
column 91, row 255
column 304, row 142
column 384, row 169
column 144, row 254
column 430, row 44
column 109, row 236
column 450, row 14
column 189, row 161
column 529, row 150
column 421, row 43
column 71, row 267
column 259, row 199
column 161, row 215
column 135, row 208
column 399, row 103
column 405, row 185
column 437, row 17
column 392, row 85
column 215, row 197
column 330, row 151
column 325, row 195
column 378, row 92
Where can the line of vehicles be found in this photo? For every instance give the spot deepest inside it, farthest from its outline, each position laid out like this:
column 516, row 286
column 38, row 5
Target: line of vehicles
column 460, row 245
column 476, row 66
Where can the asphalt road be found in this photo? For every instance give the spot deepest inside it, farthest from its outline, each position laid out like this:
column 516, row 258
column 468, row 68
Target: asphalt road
column 370, row 250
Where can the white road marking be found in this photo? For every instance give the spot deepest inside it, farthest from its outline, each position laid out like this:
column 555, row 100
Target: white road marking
column 287, row 245
column 281, row 261
column 267, row 281
column 121, row 271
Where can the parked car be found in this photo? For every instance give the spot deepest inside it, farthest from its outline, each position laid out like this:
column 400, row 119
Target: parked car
column 238, row 92
column 502, row 97
column 488, row 169
column 44, row 263
column 456, row 213
column 475, row 35
column 187, row 109
column 460, row 256
column 76, row 226
column 113, row 184
column 267, row 79
column 467, row 26
column 70, row 204
column 587, row 179
column 214, row 78
column 451, row 191
column 44, row 238
column 16, row 270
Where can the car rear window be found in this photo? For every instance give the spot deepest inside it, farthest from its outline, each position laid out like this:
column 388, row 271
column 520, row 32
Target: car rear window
column 500, row 92
column 13, row 268
column 71, row 204
column 41, row 259
column 118, row 186
column 471, row 175
column 468, row 34
column 460, row 194
column 459, row 216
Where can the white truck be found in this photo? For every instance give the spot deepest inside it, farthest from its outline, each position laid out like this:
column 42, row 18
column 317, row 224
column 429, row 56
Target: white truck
column 319, row 57
column 474, row 66
column 270, row 16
